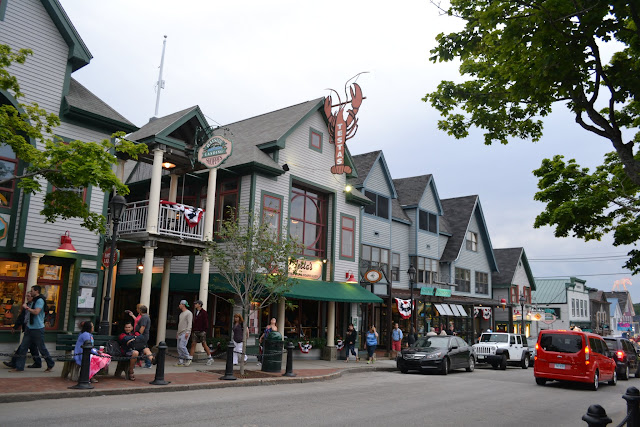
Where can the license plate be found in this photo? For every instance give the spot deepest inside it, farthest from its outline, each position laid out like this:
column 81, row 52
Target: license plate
column 480, row 357
column 559, row 366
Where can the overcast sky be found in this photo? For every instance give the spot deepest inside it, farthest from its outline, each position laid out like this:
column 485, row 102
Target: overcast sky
column 238, row 59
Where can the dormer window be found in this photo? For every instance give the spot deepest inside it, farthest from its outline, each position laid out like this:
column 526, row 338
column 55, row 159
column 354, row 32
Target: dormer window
column 428, row 221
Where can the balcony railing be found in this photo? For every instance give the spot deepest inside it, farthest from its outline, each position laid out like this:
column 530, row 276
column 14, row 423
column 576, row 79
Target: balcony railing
column 171, row 221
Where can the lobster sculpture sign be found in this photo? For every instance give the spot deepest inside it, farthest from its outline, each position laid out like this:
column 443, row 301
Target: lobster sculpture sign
column 340, row 128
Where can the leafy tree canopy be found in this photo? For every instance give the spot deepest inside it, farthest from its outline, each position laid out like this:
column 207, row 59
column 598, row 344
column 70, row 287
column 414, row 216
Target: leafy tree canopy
column 68, row 166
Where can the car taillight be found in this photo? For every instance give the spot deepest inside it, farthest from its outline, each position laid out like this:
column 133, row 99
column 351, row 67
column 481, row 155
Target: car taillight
column 620, row 355
column 586, row 355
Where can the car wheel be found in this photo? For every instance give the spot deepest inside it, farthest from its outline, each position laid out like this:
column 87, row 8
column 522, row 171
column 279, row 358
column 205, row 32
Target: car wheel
column 472, row 364
column 444, row 370
column 614, row 380
column 503, row 362
column 494, row 365
column 525, row 362
column 625, row 374
column 404, row 370
column 596, row 381
column 541, row 381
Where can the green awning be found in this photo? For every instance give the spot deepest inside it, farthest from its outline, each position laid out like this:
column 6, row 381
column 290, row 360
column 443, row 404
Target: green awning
column 318, row 290
column 177, row 282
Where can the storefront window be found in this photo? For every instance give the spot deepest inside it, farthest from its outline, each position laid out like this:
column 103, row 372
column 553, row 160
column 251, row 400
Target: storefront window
column 50, row 280
column 13, row 277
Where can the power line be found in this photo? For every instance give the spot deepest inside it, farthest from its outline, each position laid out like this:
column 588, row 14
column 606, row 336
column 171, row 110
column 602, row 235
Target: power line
column 585, row 259
column 561, row 276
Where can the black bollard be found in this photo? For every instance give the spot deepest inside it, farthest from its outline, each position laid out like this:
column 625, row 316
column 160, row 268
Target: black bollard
column 632, row 396
column 228, row 373
column 596, row 416
column 289, row 371
column 160, row 357
column 83, row 379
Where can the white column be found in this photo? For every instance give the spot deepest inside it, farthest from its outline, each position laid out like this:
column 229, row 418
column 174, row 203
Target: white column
column 164, row 301
column 208, row 235
column 145, row 290
column 154, row 192
column 331, row 323
column 120, row 170
column 173, row 187
column 281, row 315
column 32, row 276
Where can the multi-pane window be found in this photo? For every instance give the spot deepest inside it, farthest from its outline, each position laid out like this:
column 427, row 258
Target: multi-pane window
column 472, row 241
column 527, row 294
column 427, row 221
column 8, row 169
column 227, row 200
column 347, row 236
column 380, row 206
column 375, row 258
column 463, row 280
column 426, row 269
column 514, row 296
column 272, row 212
column 308, row 216
column 81, row 192
column 395, row 267
column 315, row 140
column 482, row 283
column 573, row 307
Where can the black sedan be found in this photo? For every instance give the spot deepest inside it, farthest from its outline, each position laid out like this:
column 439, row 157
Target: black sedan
column 440, row 353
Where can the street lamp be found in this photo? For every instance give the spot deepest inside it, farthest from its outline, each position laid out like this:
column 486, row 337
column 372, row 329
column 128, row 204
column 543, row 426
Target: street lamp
column 117, row 209
column 522, row 301
column 412, row 278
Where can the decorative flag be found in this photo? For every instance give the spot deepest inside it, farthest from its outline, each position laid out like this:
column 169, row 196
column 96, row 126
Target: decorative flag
column 191, row 215
column 404, row 307
column 305, row 347
column 339, row 345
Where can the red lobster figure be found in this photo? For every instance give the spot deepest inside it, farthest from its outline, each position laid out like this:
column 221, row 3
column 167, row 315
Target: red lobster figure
column 340, row 129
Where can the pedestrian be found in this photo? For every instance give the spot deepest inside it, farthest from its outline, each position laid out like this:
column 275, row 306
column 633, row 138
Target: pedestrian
column 239, row 331
column 97, row 360
column 200, row 328
column 350, row 346
column 443, row 333
column 34, row 332
column 272, row 327
column 185, row 323
column 372, row 343
column 127, row 340
column 396, row 340
column 451, row 330
column 142, row 329
column 136, row 319
column 432, row 332
column 21, row 324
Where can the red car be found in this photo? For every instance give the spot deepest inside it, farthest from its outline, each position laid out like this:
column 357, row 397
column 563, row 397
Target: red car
column 573, row 356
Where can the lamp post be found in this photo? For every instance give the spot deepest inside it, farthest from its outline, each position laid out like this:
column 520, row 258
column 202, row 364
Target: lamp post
column 412, row 278
column 522, row 301
column 117, row 209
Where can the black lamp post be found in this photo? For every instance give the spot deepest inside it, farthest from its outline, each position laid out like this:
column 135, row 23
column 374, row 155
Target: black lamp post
column 412, row 278
column 522, row 301
column 116, row 206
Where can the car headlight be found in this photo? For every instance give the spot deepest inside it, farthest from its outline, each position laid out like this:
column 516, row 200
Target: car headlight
column 433, row 355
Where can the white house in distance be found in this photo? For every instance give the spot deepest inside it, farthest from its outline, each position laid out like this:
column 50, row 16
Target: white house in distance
column 567, row 299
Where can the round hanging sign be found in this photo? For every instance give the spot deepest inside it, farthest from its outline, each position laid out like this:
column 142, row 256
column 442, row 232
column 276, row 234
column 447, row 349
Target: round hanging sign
column 373, row 276
column 215, row 151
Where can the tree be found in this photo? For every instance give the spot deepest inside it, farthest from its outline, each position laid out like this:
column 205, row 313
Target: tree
column 254, row 261
column 524, row 56
column 69, row 167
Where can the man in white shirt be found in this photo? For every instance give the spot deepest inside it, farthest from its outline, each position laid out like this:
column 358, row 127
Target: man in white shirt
column 185, row 322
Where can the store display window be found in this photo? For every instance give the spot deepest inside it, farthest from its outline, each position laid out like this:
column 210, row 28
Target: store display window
column 50, row 280
column 13, row 278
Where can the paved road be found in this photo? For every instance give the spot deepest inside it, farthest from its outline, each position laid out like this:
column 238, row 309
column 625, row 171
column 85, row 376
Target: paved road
column 482, row 398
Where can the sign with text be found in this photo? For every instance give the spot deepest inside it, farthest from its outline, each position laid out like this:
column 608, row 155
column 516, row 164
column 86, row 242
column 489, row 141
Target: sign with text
column 427, row 290
column 307, row 269
column 443, row 292
column 106, row 257
column 215, row 151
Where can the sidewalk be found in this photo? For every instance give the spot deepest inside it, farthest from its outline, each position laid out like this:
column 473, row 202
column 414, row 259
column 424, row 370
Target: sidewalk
column 35, row 384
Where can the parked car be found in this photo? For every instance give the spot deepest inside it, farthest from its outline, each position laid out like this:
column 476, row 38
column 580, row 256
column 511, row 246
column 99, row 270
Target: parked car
column 531, row 342
column 439, row 353
column 625, row 356
column 574, row 356
column 502, row 348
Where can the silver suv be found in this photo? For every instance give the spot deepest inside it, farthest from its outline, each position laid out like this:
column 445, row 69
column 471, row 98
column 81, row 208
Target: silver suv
column 502, row 348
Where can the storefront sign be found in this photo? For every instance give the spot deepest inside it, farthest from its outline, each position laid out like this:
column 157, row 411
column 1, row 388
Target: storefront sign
column 427, row 291
column 215, row 151
column 106, row 257
column 307, row 269
column 341, row 129
column 373, row 276
column 443, row 292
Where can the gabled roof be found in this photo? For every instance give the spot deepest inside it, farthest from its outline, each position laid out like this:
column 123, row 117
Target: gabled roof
column 623, row 300
column 508, row 260
column 363, row 164
column 458, row 212
column 550, row 291
column 159, row 126
column 79, row 54
column 81, row 103
column 398, row 213
column 410, row 190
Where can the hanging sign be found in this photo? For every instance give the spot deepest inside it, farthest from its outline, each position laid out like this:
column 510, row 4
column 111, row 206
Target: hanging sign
column 215, row 151
column 427, row 290
column 106, row 257
column 341, row 129
column 373, row 276
column 443, row 292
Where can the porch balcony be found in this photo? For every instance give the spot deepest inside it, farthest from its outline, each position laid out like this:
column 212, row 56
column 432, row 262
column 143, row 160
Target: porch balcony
column 174, row 220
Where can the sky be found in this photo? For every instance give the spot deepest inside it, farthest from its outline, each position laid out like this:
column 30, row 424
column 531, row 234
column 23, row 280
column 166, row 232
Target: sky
column 239, row 59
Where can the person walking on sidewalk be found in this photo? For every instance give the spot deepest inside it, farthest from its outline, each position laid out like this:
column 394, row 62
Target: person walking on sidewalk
column 185, row 323
column 34, row 332
column 372, row 343
column 396, row 340
column 21, row 324
column 238, row 337
column 200, row 328
column 350, row 345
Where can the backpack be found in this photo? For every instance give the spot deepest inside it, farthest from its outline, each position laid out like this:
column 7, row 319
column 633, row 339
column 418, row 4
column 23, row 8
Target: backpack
column 113, row 348
column 44, row 310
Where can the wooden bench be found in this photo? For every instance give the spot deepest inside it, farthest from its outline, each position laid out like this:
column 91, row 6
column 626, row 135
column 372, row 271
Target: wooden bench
column 67, row 343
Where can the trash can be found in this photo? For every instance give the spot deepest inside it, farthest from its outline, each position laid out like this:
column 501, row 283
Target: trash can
column 272, row 352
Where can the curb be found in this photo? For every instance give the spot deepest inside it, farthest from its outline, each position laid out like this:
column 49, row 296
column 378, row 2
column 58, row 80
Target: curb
column 27, row 397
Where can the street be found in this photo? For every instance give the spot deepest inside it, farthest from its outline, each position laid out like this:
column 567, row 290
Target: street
column 481, row 398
